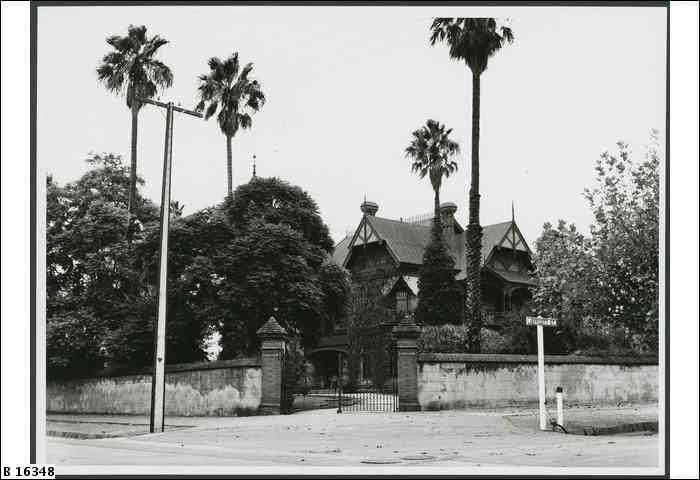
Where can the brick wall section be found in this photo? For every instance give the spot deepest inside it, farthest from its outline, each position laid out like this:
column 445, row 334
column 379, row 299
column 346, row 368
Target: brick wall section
column 456, row 381
column 406, row 334
column 272, row 358
column 407, row 375
column 273, row 346
column 224, row 388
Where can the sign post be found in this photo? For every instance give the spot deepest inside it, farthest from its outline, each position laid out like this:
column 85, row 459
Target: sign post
column 540, row 323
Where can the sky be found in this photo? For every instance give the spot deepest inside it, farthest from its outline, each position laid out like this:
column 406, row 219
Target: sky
column 345, row 88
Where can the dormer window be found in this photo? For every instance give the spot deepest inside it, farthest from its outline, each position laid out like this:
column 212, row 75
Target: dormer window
column 402, row 306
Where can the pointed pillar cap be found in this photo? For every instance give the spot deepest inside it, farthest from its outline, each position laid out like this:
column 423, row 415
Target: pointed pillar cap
column 272, row 330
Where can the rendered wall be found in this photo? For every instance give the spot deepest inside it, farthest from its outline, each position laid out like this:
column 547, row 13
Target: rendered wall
column 456, row 381
column 225, row 388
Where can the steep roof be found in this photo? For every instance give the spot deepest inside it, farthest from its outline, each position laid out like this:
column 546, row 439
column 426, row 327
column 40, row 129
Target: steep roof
column 491, row 236
column 407, row 241
column 341, row 250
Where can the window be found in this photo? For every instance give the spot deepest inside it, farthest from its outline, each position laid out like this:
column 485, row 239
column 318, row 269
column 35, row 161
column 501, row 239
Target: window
column 402, row 302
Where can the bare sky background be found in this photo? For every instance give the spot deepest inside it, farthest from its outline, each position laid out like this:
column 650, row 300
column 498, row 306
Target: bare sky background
column 347, row 86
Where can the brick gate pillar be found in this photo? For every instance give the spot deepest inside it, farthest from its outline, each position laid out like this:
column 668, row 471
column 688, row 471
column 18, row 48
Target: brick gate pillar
column 273, row 346
column 407, row 333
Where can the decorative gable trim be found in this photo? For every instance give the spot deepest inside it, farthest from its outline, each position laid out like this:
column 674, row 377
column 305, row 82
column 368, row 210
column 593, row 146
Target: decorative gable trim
column 513, row 238
column 510, row 240
column 364, row 234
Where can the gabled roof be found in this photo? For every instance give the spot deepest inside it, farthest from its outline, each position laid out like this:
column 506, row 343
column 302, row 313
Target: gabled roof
column 341, row 250
column 406, row 241
column 504, row 234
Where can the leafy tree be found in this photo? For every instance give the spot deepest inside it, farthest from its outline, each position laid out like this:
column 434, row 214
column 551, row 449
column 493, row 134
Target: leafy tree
column 473, row 40
column 274, row 201
column 131, row 69
column 194, row 307
column 568, row 281
column 266, row 268
column 605, row 288
column 87, row 254
column 431, row 150
column 229, row 267
column 89, row 279
column 277, row 261
column 99, row 286
column 73, row 341
column 228, row 89
column 625, row 203
column 176, row 209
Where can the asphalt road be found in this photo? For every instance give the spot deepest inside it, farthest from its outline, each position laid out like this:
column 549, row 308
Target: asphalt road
column 323, row 438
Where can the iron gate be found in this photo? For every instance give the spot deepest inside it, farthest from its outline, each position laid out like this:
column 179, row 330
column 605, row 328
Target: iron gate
column 380, row 395
column 376, row 392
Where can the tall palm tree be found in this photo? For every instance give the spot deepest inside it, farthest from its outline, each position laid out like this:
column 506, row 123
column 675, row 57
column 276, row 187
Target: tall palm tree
column 228, row 89
column 431, row 150
column 473, row 40
column 131, row 69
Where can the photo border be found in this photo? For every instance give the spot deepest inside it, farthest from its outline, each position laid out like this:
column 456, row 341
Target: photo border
column 34, row 5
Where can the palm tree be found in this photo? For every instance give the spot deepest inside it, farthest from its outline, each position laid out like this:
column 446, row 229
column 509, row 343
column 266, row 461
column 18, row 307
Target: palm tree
column 132, row 70
column 431, row 150
column 228, row 89
column 473, row 40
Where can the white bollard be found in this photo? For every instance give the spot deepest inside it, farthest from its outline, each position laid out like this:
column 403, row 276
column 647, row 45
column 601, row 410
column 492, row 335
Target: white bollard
column 560, row 406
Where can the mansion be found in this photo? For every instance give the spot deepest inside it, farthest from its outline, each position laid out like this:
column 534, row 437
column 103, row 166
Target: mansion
column 384, row 257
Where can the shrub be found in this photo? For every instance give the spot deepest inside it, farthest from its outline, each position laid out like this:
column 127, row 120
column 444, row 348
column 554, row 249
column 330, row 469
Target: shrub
column 454, row 339
column 514, row 337
column 443, row 339
column 494, row 342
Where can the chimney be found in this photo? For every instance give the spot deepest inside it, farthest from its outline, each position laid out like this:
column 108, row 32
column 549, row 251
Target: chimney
column 369, row 208
column 447, row 217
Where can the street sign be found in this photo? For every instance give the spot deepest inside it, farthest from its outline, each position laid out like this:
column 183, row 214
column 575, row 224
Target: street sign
column 540, row 323
column 545, row 322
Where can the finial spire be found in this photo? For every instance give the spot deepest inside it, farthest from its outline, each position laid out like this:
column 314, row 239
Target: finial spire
column 512, row 227
column 254, row 157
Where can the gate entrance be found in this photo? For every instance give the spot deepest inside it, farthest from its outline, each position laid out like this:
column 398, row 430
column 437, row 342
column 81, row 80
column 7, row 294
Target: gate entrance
column 376, row 388
column 348, row 382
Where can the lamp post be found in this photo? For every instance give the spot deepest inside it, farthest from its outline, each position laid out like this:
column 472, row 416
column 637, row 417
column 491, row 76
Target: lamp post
column 157, row 422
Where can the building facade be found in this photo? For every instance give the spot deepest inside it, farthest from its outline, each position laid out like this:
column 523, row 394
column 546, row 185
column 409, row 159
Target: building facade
column 384, row 257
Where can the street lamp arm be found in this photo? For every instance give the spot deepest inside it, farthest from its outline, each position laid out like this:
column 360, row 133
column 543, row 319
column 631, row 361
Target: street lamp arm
column 165, row 105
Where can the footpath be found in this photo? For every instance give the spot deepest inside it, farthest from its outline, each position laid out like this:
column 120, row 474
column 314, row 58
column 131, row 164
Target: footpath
column 586, row 420
column 458, row 439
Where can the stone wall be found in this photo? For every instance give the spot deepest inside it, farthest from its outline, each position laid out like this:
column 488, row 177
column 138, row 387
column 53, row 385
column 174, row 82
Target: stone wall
column 224, row 388
column 457, row 381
